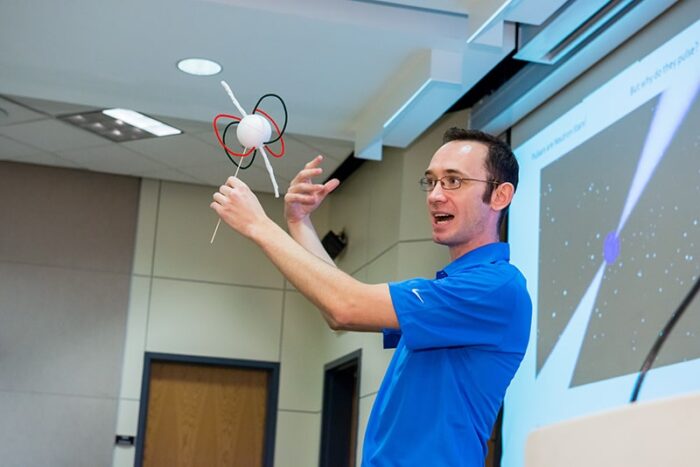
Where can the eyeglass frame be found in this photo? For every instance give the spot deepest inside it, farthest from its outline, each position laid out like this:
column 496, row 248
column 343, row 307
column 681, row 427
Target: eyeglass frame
column 442, row 184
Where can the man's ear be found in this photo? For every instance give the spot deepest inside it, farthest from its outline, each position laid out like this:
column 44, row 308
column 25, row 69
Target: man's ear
column 502, row 196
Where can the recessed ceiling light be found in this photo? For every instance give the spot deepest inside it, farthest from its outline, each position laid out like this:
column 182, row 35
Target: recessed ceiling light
column 199, row 66
column 120, row 125
column 141, row 121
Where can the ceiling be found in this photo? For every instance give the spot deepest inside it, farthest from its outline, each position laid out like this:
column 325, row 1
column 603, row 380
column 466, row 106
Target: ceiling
column 355, row 75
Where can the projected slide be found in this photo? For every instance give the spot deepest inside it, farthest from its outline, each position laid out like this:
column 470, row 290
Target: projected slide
column 606, row 227
column 638, row 218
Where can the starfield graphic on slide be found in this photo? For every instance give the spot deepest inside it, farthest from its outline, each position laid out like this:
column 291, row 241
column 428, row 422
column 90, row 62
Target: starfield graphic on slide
column 648, row 266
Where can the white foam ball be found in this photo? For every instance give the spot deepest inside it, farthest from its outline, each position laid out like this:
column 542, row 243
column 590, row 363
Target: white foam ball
column 253, row 131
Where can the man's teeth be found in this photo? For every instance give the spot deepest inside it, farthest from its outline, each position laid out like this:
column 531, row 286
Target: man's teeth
column 443, row 217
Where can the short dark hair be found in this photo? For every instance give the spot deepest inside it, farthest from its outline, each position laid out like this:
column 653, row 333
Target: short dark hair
column 501, row 164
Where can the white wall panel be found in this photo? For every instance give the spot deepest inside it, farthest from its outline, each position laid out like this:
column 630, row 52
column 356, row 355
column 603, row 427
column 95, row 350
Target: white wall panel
column 55, row 430
column 375, row 360
column 384, row 185
column 421, row 259
column 298, row 439
column 61, row 330
column 303, row 339
column 349, row 212
column 185, row 227
column 67, row 218
column 195, row 318
column 127, row 424
column 135, row 343
column 146, row 226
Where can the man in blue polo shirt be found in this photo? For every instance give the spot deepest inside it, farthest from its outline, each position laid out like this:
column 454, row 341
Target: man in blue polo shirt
column 461, row 336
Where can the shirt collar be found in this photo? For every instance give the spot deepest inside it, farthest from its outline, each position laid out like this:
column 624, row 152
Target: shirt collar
column 488, row 253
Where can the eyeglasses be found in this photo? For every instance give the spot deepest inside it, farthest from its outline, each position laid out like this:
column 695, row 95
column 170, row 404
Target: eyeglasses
column 449, row 182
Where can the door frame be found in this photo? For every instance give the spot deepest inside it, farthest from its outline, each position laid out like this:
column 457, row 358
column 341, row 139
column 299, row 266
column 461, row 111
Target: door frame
column 329, row 370
column 273, row 368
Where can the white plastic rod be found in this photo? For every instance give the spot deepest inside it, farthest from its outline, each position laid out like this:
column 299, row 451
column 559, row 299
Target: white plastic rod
column 227, row 88
column 268, row 166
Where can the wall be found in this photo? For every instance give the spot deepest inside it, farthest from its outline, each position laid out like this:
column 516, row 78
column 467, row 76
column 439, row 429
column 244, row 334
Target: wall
column 66, row 243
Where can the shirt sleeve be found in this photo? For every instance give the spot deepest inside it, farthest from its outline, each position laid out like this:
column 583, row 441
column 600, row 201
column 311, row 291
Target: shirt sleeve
column 472, row 308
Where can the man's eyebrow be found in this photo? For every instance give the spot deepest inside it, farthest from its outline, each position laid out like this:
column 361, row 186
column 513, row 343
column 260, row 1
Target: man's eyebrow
column 448, row 172
column 454, row 172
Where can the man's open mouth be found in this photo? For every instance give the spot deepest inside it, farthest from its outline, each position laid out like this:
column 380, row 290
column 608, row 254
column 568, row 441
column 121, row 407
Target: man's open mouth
column 440, row 217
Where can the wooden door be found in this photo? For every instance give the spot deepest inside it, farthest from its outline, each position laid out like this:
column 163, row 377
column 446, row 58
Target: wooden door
column 205, row 415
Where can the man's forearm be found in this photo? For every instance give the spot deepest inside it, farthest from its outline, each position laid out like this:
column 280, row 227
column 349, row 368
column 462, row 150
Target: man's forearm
column 305, row 234
column 345, row 302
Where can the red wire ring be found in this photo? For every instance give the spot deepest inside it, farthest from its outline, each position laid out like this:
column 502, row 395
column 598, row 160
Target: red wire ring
column 221, row 141
column 277, row 128
column 250, row 151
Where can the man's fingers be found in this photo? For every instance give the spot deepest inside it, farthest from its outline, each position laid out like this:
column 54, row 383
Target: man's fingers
column 311, row 169
column 300, row 198
column 305, row 188
column 314, row 162
column 219, row 197
column 215, row 206
column 305, row 175
column 225, row 190
column 235, row 182
column 331, row 185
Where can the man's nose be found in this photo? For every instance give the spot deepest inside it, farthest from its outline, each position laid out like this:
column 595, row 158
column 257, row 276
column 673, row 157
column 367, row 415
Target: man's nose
column 437, row 193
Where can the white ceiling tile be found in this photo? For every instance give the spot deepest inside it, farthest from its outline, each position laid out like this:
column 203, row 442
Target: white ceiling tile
column 187, row 126
column 52, row 107
column 255, row 177
column 11, row 113
column 206, row 136
column 293, row 161
column 113, row 159
column 172, row 175
column 52, row 135
column 176, row 151
column 10, row 149
column 44, row 158
column 313, row 145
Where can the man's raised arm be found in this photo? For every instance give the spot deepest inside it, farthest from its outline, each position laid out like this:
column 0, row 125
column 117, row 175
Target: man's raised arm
column 303, row 198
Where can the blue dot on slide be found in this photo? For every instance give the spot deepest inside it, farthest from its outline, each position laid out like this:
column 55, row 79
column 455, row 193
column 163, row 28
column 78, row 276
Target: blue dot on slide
column 611, row 247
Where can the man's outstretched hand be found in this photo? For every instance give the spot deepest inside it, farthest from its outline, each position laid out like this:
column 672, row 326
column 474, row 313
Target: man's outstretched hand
column 304, row 196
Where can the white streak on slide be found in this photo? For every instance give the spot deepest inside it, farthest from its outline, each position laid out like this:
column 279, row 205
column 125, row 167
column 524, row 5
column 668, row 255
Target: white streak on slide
column 673, row 105
column 227, row 88
column 270, row 171
column 558, row 370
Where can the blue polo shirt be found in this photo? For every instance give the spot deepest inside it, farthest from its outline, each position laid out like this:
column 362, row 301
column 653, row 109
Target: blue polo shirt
column 463, row 336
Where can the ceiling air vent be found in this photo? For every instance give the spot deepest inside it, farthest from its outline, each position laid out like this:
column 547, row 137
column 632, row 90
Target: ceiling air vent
column 570, row 26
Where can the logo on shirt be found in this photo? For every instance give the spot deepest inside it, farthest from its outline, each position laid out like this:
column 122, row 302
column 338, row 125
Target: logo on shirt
column 415, row 292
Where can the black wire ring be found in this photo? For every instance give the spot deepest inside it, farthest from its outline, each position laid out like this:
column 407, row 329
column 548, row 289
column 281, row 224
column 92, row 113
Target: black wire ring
column 223, row 138
column 284, row 107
